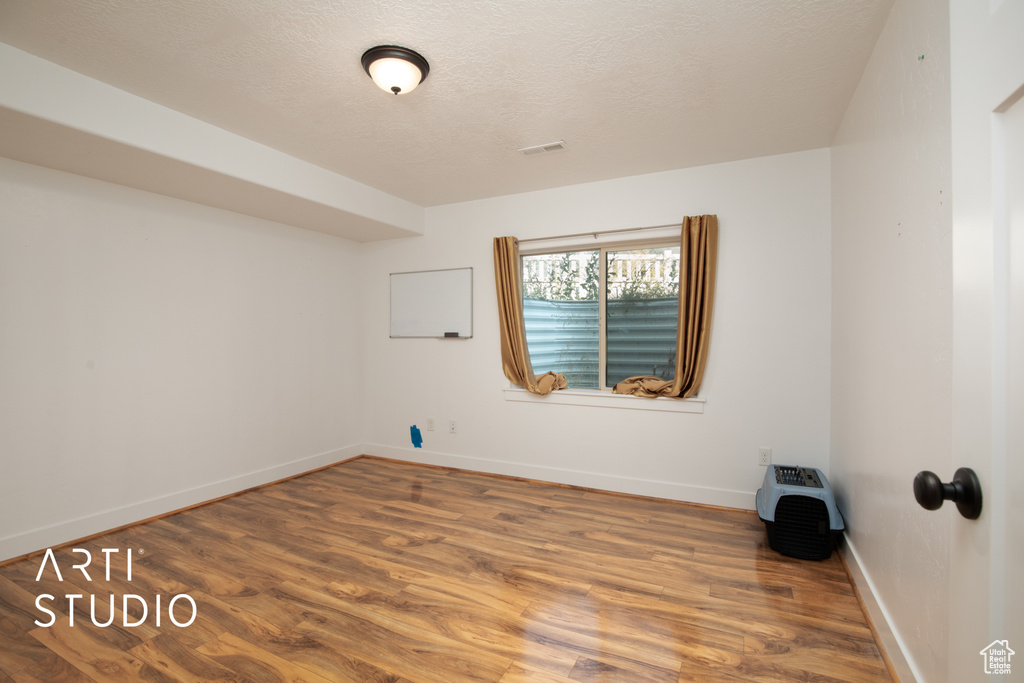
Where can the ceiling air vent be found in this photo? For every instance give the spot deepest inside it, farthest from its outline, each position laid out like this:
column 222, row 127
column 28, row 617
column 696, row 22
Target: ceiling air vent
column 541, row 149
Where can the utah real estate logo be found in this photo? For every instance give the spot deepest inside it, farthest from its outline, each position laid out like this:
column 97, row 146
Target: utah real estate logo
column 997, row 657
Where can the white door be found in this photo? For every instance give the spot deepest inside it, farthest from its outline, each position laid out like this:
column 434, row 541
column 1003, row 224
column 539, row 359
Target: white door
column 987, row 555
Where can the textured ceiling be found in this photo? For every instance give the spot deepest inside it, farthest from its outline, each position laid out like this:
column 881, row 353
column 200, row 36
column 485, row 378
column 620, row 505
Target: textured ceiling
column 631, row 86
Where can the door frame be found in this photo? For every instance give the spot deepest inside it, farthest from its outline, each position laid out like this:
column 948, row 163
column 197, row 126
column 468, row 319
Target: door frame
column 986, row 79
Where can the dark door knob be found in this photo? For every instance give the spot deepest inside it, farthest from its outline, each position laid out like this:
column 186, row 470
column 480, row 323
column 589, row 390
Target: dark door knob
column 964, row 490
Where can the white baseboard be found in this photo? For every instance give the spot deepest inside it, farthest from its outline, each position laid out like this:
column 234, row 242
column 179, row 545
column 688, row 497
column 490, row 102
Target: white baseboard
column 743, row 500
column 73, row 529
column 879, row 616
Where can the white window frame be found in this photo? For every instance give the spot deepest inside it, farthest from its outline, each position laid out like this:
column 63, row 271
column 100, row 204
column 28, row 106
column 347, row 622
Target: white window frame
column 594, row 398
column 602, row 396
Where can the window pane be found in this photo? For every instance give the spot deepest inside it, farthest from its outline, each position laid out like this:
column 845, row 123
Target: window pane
column 560, row 306
column 642, row 313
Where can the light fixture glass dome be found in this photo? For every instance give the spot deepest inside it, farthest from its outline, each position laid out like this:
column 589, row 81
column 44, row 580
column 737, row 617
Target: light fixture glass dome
column 395, row 75
column 395, row 69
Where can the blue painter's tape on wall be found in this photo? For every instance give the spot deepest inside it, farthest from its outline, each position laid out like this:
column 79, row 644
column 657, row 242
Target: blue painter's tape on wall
column 417, row 438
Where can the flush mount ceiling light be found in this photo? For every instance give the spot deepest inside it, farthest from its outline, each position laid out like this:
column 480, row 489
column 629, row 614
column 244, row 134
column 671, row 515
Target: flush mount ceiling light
column 395, row 69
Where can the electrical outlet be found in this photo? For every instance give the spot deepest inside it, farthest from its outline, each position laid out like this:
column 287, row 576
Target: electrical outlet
column 430, row 424
column 764, row 457
column 451, row 426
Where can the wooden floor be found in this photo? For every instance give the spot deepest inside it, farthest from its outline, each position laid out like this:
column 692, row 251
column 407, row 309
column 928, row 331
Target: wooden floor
column 374, row 570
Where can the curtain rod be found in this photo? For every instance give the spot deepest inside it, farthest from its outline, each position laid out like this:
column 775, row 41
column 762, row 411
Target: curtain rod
column 598, row 233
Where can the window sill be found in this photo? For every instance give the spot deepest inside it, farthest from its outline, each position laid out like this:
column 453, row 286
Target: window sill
column 606, row 399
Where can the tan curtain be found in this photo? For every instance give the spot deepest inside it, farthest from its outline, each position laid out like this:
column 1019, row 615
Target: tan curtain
column 698, row 258
column 515, row 357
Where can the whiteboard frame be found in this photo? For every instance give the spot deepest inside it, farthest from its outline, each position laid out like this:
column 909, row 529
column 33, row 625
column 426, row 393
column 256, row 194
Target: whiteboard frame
column 464, row 300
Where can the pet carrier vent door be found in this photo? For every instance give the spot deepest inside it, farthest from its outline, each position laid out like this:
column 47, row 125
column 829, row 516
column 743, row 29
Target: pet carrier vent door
column 802, row 527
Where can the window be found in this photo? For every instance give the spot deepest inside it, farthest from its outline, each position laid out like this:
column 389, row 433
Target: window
column 599, row 316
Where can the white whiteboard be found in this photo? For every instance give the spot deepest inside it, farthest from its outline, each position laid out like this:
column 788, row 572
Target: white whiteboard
column 432, row 303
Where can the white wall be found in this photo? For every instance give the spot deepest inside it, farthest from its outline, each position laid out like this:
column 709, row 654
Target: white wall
column 892, row 325
column 156, row 353
column 767, row 381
